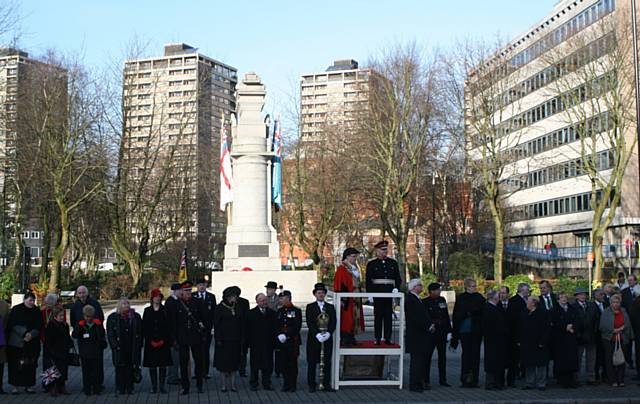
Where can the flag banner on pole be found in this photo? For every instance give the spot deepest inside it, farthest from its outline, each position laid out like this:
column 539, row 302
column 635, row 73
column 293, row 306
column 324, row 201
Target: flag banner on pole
column 182, row 273
column 226, row 175
column 276, row 174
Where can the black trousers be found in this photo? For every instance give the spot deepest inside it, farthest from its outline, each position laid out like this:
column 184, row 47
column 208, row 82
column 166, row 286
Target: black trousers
column 382, row 314
column 100, row 366
column 124, row 379
column 196, row 353
column 289, row 352
column 470, row 370
column 494, row 380
column 277, row 362
column 266, row 377
column 601, row 367
column 441, row 346
column 615, row 374
column 90, row 382
column 311, row 368
column 513, row 364
column 417, row 370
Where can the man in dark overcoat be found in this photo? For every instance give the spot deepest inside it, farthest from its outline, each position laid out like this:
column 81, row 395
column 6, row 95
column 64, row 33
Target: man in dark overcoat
column 419, row 336
column 495, row 337
column 261, row 340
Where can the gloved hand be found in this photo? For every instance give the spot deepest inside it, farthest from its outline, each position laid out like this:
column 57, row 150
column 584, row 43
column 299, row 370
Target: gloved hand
column 395, row 290
column 325, row 336
column 282, row 338
column 319, row 337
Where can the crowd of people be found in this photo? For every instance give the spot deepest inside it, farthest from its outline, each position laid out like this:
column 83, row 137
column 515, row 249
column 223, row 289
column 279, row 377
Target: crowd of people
column 524, row 337
column 534, row 338
column 173, row 339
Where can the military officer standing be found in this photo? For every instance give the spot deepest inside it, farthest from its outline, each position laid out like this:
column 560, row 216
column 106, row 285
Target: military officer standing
column 208, row 305
column 439, row 313
column 190, row 335
column 382, row 276
column 289, row 322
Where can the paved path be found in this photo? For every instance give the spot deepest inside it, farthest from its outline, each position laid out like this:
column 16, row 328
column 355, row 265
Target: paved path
column 554, row 394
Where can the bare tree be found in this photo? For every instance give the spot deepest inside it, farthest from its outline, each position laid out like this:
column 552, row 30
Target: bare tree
column 149, row 198
column 595, row 87
column 493, row 129
column 397, row 133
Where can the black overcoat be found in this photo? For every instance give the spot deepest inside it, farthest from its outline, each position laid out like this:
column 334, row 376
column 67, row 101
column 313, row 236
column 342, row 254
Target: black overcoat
column 495, row 337
column 261, row 338
column 535, row 332
column 156, row 328
column 565, row 354
column 418, row 339
column 125, row 343
column 587, row 322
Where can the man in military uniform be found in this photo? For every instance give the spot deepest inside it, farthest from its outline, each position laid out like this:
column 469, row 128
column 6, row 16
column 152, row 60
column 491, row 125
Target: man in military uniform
column 382, row 276
column 289, row 322
column 190, row 336
column 439, row 313
column 208, row 305
column 316, row 338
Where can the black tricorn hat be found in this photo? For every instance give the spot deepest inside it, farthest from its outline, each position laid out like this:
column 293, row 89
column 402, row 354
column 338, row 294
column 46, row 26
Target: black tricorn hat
column 230, row 291
column 319, row 286
column 349, row 251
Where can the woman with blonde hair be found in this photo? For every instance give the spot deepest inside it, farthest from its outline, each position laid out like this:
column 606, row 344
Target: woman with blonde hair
column 124, row 332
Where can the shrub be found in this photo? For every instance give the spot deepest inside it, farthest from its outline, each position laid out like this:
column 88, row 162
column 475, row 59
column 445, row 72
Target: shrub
column 512, row 282
column 115, row 286
column 462, row 264
column 7, row 284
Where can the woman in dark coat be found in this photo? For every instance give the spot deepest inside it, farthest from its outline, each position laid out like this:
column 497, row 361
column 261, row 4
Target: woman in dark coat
column 467, row 327
column 496, row 337
column 157, row 340
column 535, row 331
column 565, row 358
column 229, row 330
column 124, row 332
column 23, row 343
column 91, row 343
column 57, row 345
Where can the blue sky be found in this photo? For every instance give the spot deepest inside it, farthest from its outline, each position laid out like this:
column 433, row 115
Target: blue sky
column 278, row 39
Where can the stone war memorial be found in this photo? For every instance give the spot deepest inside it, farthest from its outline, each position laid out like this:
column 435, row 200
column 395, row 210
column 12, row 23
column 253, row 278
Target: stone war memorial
column 252, row 250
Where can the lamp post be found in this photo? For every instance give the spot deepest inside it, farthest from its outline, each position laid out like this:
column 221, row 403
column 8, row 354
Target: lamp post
column 634, row 27
column 433, row 223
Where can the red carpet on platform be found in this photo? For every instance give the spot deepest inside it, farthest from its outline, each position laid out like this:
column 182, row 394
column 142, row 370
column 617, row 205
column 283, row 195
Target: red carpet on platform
column 371, row 345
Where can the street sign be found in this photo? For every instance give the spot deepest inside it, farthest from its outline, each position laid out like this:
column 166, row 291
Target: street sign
column 590, row 256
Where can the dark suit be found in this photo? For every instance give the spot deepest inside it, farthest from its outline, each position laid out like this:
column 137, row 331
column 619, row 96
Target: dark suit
column 586, row 325
column 189, row 336
column 261, row 339
column 467, row 328
column 517, row 305
column 208, row 306
column 600, row 368
column 496, row 336
column 313, row 345
column 418, row 340
column 439, row 313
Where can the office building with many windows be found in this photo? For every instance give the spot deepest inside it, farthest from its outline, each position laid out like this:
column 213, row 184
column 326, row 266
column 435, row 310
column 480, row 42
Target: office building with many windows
column 552, row 90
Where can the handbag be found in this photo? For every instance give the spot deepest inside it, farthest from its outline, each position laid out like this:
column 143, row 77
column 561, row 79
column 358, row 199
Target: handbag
column 137, row 374
column 618, row 354
column 16, row 336
column 73, row 359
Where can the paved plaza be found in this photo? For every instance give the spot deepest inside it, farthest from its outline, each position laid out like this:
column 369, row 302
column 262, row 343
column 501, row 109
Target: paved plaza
column 555, row 394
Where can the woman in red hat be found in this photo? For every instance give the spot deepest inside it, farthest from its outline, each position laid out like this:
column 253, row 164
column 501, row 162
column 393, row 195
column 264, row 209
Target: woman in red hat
column 157, row 335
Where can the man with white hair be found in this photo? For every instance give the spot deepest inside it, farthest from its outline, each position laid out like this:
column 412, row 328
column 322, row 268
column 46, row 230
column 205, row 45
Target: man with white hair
column 418, row 337
column 83, row 299
column 516, row 306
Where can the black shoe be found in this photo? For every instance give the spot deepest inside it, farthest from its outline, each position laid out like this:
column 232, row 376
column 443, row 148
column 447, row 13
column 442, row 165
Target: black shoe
column 284, row 389
column 388, row 342
column 162, row 390
column 207, row 377
column 312, row 389
column 542, row 388
column 153, row 391
column 292, row 390
column 253, row 388
column 329, row 390
column 427, row 387
column 527, row 388
column 445, row 384
column 268, row 388
column 376, row 342
column 224, row 390
column 416, row 390
column 185, row 392
column 200, row 390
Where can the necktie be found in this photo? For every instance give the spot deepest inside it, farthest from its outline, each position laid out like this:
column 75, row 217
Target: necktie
column 548, row 300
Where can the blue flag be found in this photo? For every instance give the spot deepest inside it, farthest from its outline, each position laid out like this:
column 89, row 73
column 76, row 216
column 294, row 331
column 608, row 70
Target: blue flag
column 276, row 175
